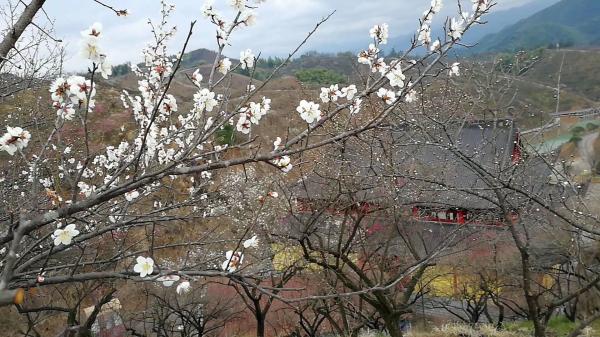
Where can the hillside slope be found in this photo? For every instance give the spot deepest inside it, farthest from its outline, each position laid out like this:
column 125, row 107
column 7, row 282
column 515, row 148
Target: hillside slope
column 567, row 23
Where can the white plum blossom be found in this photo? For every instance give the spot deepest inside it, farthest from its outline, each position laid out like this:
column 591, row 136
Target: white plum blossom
column 330, row 94
column 144, row 266
column 90, row 48
column 80, row 89
column 380, row 33
column 436, row 6
column 388, row 96
column 169, row 104
column 238, row 5
column 247, row 59
column 65, row 111
column 208, row 10
column 65, row 235
column 105, row 67
column 480, row 5
column 93, row 31
column 46, row 182
column 224, row 66
column 284, row 163
column 132, row 195
column 15, row 139
column 411, row 96
column 204, row 100
column 454, row 69
column 168, row 280
column 349, row 92
column 367, row 56
column 276, row 143
column 243, row 124
column 251, row 243
column 425, row 34
column 435, row 45
column 456, row 28
column 248, row 17
column 196, row 78
column 396, row 76
column 355, row 106
column 379, row 65
column 252, row 114
column 59, row 89
column 233, row 261
column 183, row 288
column 309, row 111
column 86, row 189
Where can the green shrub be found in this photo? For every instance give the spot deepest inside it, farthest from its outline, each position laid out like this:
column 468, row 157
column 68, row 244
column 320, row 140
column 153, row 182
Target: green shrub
column 320, row 76
column 225, row 135
column 578, row 130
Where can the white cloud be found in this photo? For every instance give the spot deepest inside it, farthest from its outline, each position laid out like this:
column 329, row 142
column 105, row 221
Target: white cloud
column 281, row 25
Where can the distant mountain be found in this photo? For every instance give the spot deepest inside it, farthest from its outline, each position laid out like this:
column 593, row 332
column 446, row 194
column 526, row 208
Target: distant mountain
column 495, row 21
column 197, row 57
column 567, row 23
column 500, row 19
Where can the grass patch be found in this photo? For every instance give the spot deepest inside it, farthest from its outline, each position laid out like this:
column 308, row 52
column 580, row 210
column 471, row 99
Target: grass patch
column 558, row 326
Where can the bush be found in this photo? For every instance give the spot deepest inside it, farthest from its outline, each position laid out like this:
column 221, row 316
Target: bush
column 578, row 130
column 320, row 76
column 591, row 126
column 465, row 330
column 226, row 135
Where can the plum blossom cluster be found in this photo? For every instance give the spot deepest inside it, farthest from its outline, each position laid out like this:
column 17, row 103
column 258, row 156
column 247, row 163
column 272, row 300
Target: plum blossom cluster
column 15, row 139
column 252, row 114
column 224, row 66
column 233, row 259
column 380, row 33
column 164, row 134
column 369, row 56
column 458, row 25
column 283, row 162
column 247, row 59
column 424, row 32
column 309, row 111
column 332, row 93
column 159, row 139
column 244, row 16
column 70, row 94
column 204, row 100
column 92, row 51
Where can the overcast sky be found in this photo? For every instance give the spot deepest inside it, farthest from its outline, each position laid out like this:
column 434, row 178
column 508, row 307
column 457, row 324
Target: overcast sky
column 281, row 24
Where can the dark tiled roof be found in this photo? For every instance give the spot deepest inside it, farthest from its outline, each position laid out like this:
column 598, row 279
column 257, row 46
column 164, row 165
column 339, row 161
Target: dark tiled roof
column 440, row 166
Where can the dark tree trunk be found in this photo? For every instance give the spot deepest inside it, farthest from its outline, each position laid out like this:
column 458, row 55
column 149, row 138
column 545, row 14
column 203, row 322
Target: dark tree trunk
column 500, row 324
column 260, row 324
column 392, row 325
